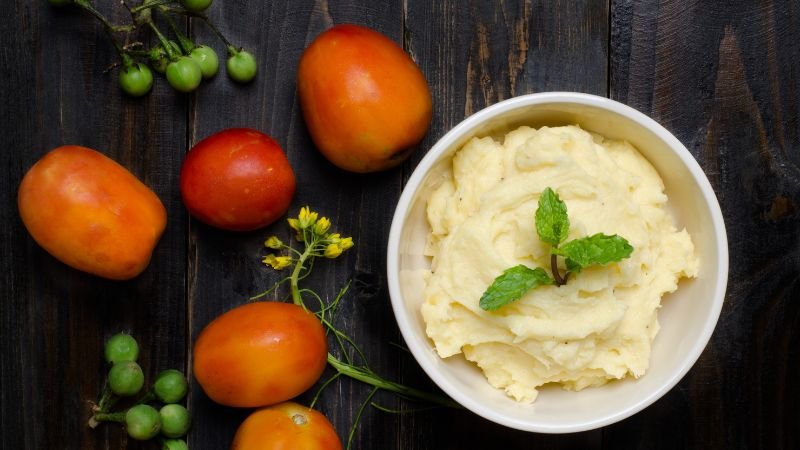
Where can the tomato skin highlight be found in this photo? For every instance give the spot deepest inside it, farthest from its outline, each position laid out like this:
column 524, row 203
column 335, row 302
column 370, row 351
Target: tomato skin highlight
column 286, row 426
column 364, row 100
column 260, row 354
column 91, row 213
column 238, row 179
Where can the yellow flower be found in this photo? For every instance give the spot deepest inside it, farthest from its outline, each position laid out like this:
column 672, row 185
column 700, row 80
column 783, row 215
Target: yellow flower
column 273, row 242
column 322, row 226
column 334, row 238
column 332, row 251
column 277, row 262
column 294, row 224
column 306, row 217
column 346, row 243
column 283, row 262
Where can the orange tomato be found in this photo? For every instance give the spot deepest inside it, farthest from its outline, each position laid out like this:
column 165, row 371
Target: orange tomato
column 364, row 99
column 91, row 213
column 238, row 179
column 260, row 354
column 287, row 426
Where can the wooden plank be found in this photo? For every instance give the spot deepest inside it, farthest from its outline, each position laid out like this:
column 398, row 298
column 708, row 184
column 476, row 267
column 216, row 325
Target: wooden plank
column 54, row 320
column 225, row 268
column 475, row 54
column 478, row 53
column 723, row 77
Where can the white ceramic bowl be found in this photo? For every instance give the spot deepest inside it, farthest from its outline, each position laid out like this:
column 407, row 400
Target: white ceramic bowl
column 687, row 318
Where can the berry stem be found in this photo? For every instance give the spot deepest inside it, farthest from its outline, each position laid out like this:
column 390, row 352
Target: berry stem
column 164, row 42
column 186, row 44
column 150, row 4
column 107, row 400
column 149, row 396
column 96, row 419
column 87, row 5
column 216, row 31
column 231, row 48
column 109, row 28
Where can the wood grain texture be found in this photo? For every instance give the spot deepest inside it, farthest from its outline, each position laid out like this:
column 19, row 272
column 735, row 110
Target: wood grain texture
column 723, row 77
column 225, row 269
column 54, row 319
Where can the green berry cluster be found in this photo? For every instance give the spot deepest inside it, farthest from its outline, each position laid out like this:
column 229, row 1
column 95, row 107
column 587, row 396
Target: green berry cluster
column 142, row 421
column 183, row 62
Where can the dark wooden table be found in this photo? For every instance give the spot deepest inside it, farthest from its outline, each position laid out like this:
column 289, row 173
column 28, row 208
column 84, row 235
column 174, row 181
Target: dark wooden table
column 723, row 76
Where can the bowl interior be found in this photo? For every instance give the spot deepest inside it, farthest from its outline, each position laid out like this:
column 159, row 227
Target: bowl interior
column 687, row 316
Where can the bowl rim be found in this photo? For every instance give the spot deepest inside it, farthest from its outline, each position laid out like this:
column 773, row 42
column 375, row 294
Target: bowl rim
column 433, row 156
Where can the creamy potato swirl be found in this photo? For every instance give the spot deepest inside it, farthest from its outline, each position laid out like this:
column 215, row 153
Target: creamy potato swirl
column 600, row 325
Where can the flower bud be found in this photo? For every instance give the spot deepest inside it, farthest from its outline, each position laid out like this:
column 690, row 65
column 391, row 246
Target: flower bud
column 332, row 251
column 322, row 226
column 273, row 242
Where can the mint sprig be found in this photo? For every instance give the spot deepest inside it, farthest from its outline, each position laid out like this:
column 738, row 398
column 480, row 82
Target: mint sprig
column 596, row 249
column 512, row 284
column 552, row 223
column 552, row 226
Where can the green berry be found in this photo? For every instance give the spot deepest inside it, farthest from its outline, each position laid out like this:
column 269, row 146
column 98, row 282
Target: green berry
column 184, row 74
column 158, row 59
column 242, row 66
column 125, row 378
column 196, row 5
column 175, row 444
column 175, row 420
column 136, row 79
column 121, row 347
column 143, row 422
column 170, row 386
column 206, row 58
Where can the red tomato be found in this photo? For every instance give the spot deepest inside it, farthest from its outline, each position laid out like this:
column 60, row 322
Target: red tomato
column 260, row 354
column 287, row 426
column 364, row 100
column 91, row 213
column 238, row 179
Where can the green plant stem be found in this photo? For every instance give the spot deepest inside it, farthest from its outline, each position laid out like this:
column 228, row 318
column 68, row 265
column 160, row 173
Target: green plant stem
column 186, row 44
column 362, row 374
column 231, row 48
column 109, row 28
column 110, row 417
column 100, row 417
column 161, row 38
column 87, row 5
column 295, row 277
column 150, row 4
column 370, row 378
column 360, row 412
column 107, row 399
column 147, row 397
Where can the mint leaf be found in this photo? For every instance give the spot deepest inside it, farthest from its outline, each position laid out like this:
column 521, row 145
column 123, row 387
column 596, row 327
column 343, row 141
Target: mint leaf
column 511, row 285
column 596, row 249
column 552, row 222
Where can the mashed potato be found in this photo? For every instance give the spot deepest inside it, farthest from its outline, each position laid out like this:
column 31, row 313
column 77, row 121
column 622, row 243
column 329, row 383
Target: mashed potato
column 601, row 324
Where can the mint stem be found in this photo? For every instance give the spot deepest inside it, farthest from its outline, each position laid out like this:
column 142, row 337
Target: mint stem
column 556, row 274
